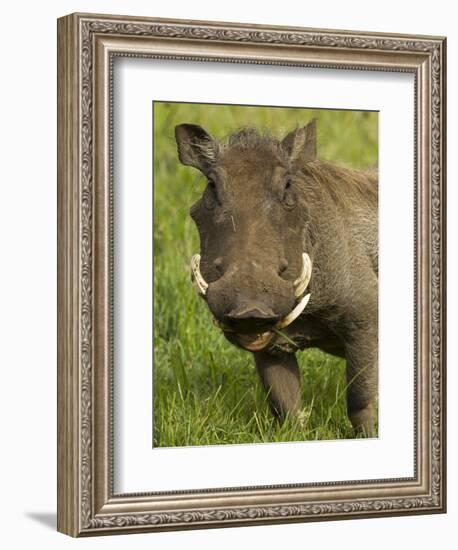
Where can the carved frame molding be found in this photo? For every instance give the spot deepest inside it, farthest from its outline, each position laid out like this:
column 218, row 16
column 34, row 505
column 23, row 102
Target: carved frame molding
column 87, row 45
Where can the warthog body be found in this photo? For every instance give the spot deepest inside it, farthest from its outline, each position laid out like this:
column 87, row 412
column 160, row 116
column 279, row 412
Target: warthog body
column 288, row 247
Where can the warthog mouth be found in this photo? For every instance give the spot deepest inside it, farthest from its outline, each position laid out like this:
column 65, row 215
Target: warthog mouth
column 258, row 341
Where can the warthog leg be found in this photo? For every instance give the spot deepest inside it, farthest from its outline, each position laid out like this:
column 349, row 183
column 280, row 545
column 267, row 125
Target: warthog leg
column 362, row 380
column 281, row 380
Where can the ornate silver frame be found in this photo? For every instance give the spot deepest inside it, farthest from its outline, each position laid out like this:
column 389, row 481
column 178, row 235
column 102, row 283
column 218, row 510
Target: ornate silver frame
column 87, row 44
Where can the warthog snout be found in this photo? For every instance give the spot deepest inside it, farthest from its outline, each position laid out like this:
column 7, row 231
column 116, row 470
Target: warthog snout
column 251, row 299
column 248, row 298
column 250, row 316
column 251, row 311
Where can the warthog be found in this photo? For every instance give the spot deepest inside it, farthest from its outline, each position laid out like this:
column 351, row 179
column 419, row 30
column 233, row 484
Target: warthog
column 289, row 258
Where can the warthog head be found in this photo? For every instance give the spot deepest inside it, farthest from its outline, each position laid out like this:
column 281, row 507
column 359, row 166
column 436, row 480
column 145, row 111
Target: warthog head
column 253, row 268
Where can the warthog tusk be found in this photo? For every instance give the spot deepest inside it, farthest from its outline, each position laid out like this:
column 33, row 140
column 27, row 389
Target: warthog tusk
column 294, row 314
column 301, row 283
column 196, row 276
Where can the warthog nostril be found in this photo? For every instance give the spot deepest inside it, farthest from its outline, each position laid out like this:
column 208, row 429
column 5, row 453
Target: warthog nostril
column 253, row 313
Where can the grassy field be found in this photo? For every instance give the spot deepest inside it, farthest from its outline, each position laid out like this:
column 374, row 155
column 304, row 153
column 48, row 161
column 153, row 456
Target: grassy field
column 206, row 391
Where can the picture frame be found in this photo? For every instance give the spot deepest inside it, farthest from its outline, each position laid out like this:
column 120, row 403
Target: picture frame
column 87, row 46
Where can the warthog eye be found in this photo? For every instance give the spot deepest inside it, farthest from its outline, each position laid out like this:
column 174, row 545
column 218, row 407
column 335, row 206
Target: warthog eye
column 210, row 195
column 289, row 198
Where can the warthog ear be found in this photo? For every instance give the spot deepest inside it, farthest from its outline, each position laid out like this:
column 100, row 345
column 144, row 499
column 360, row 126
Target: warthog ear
column 300, row 144
column 195, row 146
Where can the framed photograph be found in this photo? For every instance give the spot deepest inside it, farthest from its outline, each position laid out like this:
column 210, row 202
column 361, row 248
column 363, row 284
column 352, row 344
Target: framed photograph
column 251, row 289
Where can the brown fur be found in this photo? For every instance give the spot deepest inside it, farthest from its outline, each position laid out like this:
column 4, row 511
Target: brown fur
column 266, row 202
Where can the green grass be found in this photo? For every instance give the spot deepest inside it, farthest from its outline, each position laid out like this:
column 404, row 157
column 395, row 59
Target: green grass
column 206, row 391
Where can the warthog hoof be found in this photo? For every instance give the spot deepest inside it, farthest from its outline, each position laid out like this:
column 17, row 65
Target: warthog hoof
column 363, row 421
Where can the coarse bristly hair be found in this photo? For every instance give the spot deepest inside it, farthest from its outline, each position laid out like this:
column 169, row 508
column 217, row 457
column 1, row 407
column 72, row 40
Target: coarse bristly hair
column 251, row 138
column 343, row 184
